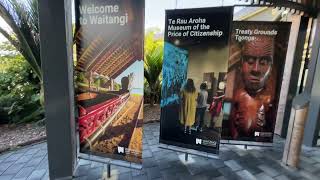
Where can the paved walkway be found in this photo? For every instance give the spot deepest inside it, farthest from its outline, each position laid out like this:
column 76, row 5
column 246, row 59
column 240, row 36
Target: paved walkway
column 234, row 163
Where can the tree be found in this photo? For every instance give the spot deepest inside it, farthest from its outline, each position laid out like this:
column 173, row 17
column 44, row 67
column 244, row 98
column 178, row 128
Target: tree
column 22, row 17
column 153, row 63
column 19, row 88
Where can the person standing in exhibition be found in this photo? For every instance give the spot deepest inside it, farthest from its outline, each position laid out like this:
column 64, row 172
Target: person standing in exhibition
column 188, row 105
column 201, row 106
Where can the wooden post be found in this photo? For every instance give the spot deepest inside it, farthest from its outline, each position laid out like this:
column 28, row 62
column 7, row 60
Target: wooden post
column 291, row 154
column 296, row 19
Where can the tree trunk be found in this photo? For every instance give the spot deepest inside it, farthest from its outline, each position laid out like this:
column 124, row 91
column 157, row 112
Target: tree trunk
column 152, row 99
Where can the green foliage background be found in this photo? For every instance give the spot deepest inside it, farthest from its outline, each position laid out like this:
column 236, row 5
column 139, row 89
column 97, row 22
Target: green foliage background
column 153, row 59
column 19, row 88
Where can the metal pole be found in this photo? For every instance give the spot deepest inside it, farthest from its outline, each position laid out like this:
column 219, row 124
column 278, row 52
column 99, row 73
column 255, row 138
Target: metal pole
column 186, row 157
column 109, row 170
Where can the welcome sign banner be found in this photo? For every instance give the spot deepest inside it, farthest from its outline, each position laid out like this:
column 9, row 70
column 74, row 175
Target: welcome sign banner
column 109, row 77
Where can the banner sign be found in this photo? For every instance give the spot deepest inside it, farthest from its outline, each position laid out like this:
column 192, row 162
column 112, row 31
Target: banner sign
column 256, row 63
column 194, row 69
column 109, row 77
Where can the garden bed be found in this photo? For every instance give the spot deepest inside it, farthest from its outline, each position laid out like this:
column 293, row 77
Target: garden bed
column 151, row 113
column 14, row 136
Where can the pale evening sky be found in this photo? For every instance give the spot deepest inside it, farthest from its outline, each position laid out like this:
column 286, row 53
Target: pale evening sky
column 155, row 10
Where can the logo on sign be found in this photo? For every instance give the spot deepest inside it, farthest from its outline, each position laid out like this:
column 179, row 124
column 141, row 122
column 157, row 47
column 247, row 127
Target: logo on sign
column 120, row 150
column 256, row 134
column 198, row 141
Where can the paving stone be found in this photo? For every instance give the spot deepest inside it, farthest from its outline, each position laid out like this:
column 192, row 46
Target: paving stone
column 233, row 165
column 171, row 176
column 6, row 177
column 307, row 160
column 212, row 173
column 95, row 173
column 171, row 173
column 5, row 155
column 263, row 176
column 13, row 169
column 308, row 175
column 158, row 179
column 24, row 159
column 32, row 151
column 136, row 172
column 119, row 169
column 217, row 163
column 269, row 170
column 163, row 165
column 13, row 157
column 141, row 177
column 245, row 175
column 220, row 178
column 155, row 148
column 163, row 154
column 96, row 165
column 84, row 162
column 125, row 176
column 82, row 170
column 153, row 142
column 24, row 172
column 34, row 162
column 252, row 168
column 82, row 178
column 5, row 165
column 46, row 176
column 153, row 172
column 41, row 153
column 194, row 169
column 310, row 168
column 282, row 177
column 147, row 154
column 149, row 162
column 37, row 174
column 43, row 164
column 228, row 173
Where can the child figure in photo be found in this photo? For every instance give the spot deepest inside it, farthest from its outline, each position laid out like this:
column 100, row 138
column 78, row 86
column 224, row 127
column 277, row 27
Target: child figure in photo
column 215, row 110
column 188, row 105
column 201, row 106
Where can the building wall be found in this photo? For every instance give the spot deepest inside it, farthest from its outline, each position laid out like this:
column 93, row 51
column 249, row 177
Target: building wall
column 206, row 60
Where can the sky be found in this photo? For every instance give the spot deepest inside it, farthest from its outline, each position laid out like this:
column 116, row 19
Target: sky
column 5, row 26
column 137, row 70
column 155, row 10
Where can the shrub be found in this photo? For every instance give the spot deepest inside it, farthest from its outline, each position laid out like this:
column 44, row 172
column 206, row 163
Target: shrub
column 19, row 89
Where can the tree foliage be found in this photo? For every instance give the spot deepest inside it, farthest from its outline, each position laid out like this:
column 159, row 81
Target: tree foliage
column 22, row 17
column 19, row 88
column 153, row 63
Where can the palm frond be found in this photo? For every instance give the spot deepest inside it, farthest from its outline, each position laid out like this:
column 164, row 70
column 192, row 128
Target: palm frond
column 153, row 61
column 22, row 17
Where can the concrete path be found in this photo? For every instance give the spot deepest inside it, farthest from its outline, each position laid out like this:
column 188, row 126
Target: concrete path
column 31, row 163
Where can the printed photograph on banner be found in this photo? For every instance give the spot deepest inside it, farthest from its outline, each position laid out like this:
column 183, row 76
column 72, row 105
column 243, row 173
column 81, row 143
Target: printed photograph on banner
column 256, row 63
column 109, row 77
column 194, row 77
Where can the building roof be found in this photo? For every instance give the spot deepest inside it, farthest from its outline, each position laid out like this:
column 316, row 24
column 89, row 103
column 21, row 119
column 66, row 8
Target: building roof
column 107, row 56
column 307, row 7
